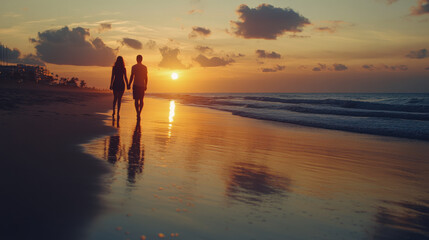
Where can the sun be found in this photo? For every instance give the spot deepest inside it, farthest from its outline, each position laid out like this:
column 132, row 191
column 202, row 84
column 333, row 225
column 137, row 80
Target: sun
column 174, row 76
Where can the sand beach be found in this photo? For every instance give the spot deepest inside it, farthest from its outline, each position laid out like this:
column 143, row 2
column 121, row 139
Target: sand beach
column 69, row 171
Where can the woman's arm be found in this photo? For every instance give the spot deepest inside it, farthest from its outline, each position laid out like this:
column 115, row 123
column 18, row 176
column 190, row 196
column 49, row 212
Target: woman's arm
column 111, row 79
column 126, row 78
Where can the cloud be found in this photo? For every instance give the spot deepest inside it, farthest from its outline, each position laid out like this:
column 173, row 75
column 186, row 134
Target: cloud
column 199, row 31
column 320, row 67
column 369, row 67
column 234, row 55
column 204, row 49
column 396, row 67
column 14, row 56
column 274, row 69
column 263, row 54
column 104, row 27
column 421, row 8
column 427, row 68
column 267, row 22
column 132, row 43
column 169, row 58
column 73, row 47
column 340, row 67
column 335, row 67
column 420, row 54
column 212, row 62
column 150, row 44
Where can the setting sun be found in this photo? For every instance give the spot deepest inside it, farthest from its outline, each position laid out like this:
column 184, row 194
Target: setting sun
column 174, row 76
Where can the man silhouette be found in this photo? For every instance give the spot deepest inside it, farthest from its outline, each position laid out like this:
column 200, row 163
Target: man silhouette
column 139, row 76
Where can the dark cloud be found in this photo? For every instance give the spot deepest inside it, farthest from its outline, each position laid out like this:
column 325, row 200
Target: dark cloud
column 233, row 55
column 369, row 67
column 150, row 44
column 199, row 31
column 104, row 27
column 14, row 56
column 334, row 67
column 169, row 58
column 73, row 47
column 274, row 69
column 340, row 67
column 132, row 43
column 320, row 67
column 267, row 22
column 204, row 49
column 396, row 67
column 427, row 68
column 421, row 8
column 419, row 54
column 263, row 54
column 212, row 62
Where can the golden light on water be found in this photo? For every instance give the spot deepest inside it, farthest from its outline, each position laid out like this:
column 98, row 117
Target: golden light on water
column 171, row 117
column 174, row 76
column 172, row 109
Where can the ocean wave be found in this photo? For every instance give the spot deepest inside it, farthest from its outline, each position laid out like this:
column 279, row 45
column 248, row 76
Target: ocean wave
column 405, row 115
column 346, row 104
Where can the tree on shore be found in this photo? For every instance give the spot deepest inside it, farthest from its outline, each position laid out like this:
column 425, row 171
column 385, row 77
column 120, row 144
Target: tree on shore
column 82, row 83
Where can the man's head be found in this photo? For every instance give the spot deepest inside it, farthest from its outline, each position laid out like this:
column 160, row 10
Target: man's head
column 139, row 58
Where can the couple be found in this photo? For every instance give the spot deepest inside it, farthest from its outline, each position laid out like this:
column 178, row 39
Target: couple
column 119, row 79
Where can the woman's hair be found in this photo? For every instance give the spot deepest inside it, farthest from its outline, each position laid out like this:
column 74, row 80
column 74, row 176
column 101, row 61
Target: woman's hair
column 119, row 64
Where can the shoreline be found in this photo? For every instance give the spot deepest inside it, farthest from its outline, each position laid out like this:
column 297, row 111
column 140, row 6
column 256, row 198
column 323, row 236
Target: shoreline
column 205, row 173
column 372, row 122
column 50, row 187
column 55, row 188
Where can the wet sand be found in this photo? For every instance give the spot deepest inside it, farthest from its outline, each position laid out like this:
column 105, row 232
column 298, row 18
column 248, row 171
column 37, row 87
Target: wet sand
column 49, row 188
column 207, row 174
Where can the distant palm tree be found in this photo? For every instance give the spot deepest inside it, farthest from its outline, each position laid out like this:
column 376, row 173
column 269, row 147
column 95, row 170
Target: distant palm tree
column 82, row 83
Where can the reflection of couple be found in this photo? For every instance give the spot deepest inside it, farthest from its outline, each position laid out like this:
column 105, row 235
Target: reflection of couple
column 135, row 153
column 119, row 79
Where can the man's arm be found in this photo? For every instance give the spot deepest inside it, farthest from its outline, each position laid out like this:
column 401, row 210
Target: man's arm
column 146, row 80
column 131, row 78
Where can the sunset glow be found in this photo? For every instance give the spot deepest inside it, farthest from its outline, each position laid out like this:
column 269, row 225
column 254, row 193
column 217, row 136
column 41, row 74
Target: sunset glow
column 174, row 76
column 304, row 46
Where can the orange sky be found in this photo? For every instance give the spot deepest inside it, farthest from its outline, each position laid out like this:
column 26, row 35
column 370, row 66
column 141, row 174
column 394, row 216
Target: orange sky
column 230, row 46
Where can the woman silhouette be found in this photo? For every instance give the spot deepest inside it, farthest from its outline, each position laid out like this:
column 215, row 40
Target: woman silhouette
column 117, row 84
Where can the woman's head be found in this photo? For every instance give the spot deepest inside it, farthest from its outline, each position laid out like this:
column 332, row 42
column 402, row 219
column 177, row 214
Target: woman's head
column 120, row 62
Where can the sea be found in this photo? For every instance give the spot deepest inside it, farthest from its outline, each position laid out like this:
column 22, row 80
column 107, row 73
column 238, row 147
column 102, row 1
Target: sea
column 404, row 115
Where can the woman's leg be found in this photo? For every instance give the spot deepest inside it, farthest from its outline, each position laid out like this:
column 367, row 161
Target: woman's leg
column 119, row 100
column 115, row 98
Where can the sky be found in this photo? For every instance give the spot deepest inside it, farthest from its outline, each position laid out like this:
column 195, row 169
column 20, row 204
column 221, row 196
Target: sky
column 228, row 45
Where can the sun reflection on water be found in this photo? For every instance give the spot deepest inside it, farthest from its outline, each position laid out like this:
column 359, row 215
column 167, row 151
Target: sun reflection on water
column 172, row 109
column 171, row 117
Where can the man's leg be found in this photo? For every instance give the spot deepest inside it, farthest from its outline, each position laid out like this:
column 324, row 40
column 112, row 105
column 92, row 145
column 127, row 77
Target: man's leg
column 141, row 105
column 136, row 105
